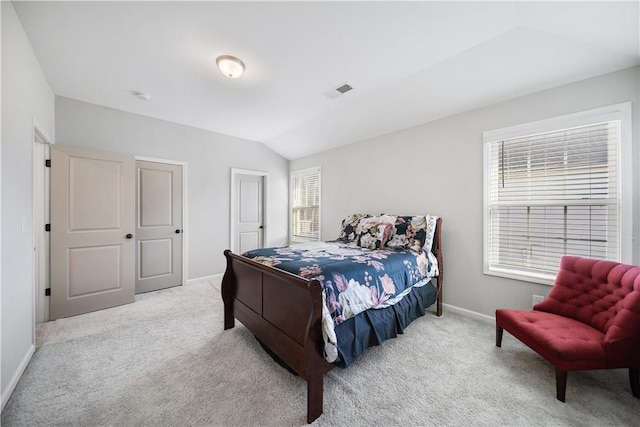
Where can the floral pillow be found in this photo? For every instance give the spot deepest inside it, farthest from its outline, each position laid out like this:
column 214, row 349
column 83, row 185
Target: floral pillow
column 413, row 232
column 373, row 234
column 349, row 225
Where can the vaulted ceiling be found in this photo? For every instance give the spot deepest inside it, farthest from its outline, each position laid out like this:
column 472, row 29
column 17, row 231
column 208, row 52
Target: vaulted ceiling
column 408, row 62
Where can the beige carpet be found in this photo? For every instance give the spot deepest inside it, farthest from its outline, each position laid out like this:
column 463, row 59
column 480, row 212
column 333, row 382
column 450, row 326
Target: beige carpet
column 165, row 361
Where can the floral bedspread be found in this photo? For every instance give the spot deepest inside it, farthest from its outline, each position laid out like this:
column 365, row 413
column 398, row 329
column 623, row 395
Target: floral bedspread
column 353, row 279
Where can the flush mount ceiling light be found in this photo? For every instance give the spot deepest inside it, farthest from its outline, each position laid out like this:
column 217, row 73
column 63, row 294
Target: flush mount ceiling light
column 230, row 66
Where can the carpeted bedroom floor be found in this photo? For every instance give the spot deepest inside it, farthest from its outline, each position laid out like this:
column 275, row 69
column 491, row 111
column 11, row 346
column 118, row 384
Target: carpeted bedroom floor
column 165, row 361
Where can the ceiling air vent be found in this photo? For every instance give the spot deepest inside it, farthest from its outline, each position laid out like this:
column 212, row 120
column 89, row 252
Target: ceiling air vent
column 337, row 91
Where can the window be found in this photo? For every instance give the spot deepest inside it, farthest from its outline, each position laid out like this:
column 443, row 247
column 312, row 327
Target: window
column 305, row 205
column 555, row 187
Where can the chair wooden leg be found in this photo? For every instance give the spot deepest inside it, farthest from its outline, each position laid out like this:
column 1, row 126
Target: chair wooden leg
column 561, row 384
column 634, row 379
column 499, row 332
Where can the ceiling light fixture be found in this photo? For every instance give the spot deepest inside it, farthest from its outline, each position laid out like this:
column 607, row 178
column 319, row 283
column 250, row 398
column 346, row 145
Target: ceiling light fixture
column 230, row 66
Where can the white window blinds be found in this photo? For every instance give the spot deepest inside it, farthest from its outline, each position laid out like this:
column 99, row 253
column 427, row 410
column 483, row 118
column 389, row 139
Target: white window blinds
column 305, row 201
column 552, row 194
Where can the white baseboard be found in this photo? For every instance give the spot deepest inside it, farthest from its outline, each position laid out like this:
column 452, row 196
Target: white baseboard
column 6, row 394
column 469, row 313
column 214, row 277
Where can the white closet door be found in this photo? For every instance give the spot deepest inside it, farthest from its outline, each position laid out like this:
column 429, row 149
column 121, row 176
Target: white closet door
column 92, row 226
column 158, row 226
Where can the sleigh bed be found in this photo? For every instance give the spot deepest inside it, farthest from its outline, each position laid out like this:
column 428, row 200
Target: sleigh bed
column 323, row 316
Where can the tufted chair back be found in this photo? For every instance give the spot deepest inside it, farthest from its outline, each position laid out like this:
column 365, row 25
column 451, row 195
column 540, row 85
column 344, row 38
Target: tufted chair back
column 602, row 294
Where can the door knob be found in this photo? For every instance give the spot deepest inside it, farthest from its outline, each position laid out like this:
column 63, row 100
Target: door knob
column 129, row 236
column 261, row 227
column 177, row 231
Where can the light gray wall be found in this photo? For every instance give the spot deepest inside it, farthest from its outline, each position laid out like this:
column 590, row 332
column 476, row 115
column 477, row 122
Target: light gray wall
column 437, row 168
column 209, row 156
column 26, row 96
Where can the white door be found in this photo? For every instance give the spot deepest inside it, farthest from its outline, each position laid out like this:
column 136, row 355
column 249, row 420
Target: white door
column 92, row 226
column 158, row 226
column 249, row 229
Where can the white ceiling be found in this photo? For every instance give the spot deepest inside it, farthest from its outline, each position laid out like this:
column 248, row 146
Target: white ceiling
column 408, row 62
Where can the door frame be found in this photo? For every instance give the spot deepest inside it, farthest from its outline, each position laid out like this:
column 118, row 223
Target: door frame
column 234, row 202
column 40, row 215
column 185, row 225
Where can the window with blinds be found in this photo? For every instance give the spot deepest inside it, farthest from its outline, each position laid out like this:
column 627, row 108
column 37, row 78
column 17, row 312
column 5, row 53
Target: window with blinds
column 552, row 193
column 305, row 205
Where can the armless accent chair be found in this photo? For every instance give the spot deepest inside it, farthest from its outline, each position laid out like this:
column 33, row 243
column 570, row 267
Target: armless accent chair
column 590, row 320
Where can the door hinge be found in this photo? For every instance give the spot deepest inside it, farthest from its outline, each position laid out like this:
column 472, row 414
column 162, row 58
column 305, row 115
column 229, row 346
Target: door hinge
column 47, row 227
column 47, row 163
column 47, row 292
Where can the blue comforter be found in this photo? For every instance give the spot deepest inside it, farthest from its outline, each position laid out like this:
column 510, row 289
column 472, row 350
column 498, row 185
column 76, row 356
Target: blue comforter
column 353, row 279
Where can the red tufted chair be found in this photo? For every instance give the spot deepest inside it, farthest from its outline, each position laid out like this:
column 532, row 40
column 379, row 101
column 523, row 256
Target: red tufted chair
column 590, row 320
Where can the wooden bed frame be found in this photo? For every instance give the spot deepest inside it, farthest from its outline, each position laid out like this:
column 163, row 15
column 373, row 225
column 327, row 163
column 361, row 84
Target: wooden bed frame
column 284, row 312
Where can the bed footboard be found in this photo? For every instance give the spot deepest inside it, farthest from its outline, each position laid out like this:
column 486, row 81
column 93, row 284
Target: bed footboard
column 265, row 301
